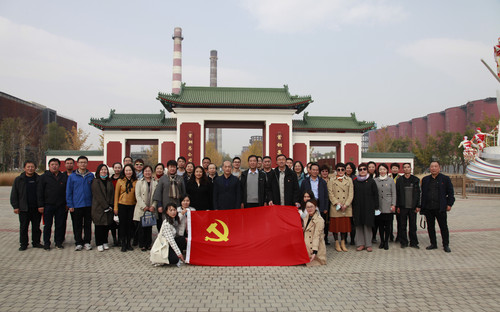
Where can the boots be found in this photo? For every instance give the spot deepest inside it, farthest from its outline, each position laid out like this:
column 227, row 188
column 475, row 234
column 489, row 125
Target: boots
column 342, row 245
column 337, row 246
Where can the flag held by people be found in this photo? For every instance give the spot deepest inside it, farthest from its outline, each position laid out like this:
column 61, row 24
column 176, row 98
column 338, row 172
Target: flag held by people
column 270, row 236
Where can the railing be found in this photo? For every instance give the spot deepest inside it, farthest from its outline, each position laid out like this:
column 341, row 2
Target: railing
column 467, row 187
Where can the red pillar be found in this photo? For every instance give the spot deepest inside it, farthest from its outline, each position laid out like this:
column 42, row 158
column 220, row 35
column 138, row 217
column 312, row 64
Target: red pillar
column 190, row 138
column 300, row 153
column 167, row 152
column 279, row 138
column 114, row 152
column 351, row 153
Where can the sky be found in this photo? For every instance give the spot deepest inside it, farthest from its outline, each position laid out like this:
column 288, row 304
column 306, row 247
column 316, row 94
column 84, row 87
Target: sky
column 387, row 61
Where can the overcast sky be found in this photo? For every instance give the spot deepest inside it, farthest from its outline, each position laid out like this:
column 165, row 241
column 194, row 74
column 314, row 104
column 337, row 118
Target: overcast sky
column 387, row 61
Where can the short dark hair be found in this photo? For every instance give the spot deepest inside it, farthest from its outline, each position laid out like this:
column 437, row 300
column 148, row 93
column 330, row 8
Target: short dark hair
column 267, row 157
column 290, row 159
column 146, row 167
column 436, row 161
column 82, row 157
column 171, row 162
column 160, row 164
column 280, row 155
column 236, row 158
column 55, row 160
column 370, row 163
column 29, row 162
column 252, row 156
column 339, row 165
column 382, row 165
column 363, row 165
column 117, row 163
column 259, row 157
column 181, row 157
column 206, row 158
column 406, row 163
column 139, row 160
column 69, row 158
column 395, row 165
column 323, row 167
column 312, row 201
column 127, row 157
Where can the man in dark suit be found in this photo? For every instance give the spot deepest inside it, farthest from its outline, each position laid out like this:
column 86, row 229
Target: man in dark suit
column 284, row 184
column 254, row 187
column 320, row 190
column 227, row 190
column 437, row 199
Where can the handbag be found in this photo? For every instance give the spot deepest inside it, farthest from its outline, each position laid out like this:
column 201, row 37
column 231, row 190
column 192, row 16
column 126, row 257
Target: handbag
column 148, row 219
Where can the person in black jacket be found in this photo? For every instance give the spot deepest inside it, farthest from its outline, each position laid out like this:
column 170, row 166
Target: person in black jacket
column 227, row 190
column 437, row 198
column 288, row 193
column 200, row 190
column 255, row 190
column 52, row 202
column 24, row 201
column 407, row 202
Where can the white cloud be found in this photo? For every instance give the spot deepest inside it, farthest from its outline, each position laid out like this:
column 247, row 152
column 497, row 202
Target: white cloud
column 454, row 57
column 291, row 16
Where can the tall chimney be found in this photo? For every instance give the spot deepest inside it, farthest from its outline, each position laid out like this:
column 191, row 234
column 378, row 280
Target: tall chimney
column 177, row 69
column 213, row 68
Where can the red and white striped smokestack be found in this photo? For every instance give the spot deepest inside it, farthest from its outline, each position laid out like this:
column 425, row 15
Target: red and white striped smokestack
column 177, row 69
column 213, row 68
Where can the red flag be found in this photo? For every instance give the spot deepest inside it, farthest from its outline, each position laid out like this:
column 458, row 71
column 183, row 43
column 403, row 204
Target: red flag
column 270, row 235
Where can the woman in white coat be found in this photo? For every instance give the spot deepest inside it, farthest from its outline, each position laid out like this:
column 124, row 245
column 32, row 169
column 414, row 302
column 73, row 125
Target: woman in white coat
column 144, row 190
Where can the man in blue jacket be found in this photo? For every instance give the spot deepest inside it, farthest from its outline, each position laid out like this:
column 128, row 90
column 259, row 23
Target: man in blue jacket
column 437, row 199
column 79, row 201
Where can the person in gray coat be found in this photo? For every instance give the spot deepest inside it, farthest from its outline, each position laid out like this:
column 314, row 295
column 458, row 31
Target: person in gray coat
column 170, row 188
column 387, row 204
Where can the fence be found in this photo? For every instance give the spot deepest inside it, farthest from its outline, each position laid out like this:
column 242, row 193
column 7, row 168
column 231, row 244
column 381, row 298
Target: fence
column 466, row 187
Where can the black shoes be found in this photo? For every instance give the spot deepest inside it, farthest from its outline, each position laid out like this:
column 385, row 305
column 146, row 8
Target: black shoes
column 59, row 246
column 381, row 245
column 23, row 248
column 38, row 245
column 46, row 247
column 386, row 246
column 415, row 246
column 124, row 248
column 447, row 249
column 430, row 247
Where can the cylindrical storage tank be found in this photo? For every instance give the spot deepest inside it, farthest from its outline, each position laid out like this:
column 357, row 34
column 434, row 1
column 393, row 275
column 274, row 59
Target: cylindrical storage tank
column 404, row 129
column 435, row 123
column 393, row 131
column 478, row 110
column 455, row 119
column 419, row 129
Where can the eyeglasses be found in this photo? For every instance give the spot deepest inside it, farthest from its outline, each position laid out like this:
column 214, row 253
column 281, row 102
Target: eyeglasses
column 362, row 169
column 139, row 164
column 340, row 169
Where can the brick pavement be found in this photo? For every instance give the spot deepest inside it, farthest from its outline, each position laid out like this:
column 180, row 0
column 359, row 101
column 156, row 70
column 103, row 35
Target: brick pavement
column 467, row 279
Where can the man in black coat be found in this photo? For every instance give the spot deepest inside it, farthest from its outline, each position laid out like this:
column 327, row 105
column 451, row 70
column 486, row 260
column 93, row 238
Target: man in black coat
column 284, row 184
column 407, row 202
column 24, row 201
column 254, row 187
column 51, row 194
column 227, row 190
column 437, row 199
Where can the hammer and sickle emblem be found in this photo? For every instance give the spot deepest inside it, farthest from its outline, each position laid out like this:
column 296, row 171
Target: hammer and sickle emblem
column 221, row 237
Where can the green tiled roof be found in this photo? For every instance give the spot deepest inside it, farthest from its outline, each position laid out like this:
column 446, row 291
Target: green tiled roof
column 228, row 97
column 387, row 155
column 134, row 121
column 326, row 123
column 73, row 152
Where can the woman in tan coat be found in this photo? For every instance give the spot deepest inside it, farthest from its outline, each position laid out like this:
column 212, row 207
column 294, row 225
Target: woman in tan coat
column 314, row 235
column 341, row 193
column 125, row 205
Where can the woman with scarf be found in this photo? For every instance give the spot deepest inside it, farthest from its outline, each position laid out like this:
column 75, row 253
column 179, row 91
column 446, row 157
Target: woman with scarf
column 102, row 206
column 144, row 191
column 364, row 204
column 125, row 205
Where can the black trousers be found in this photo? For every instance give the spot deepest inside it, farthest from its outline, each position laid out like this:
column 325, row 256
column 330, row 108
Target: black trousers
column 407, row 215
column 145, row 236
column 101, row 234
column 431, row 216
column 81, row 219
column 383, row 223
column 327, row 222
column 25, row 217
column 126, row 214
column 181, row 243
column 57, row 213
column 252, row 205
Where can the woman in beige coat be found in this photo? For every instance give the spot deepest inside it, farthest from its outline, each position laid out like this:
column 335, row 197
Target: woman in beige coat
column 340, row 193
column 144, row 190
column 314, row 235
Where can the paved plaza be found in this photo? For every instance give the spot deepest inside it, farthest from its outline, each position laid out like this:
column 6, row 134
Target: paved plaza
column 467, row 279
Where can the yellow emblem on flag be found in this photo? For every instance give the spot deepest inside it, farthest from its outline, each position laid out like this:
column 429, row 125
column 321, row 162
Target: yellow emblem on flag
column 221, row 237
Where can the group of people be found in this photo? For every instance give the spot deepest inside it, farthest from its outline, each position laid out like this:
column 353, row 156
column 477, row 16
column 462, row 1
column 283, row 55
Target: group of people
column 120, row 200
